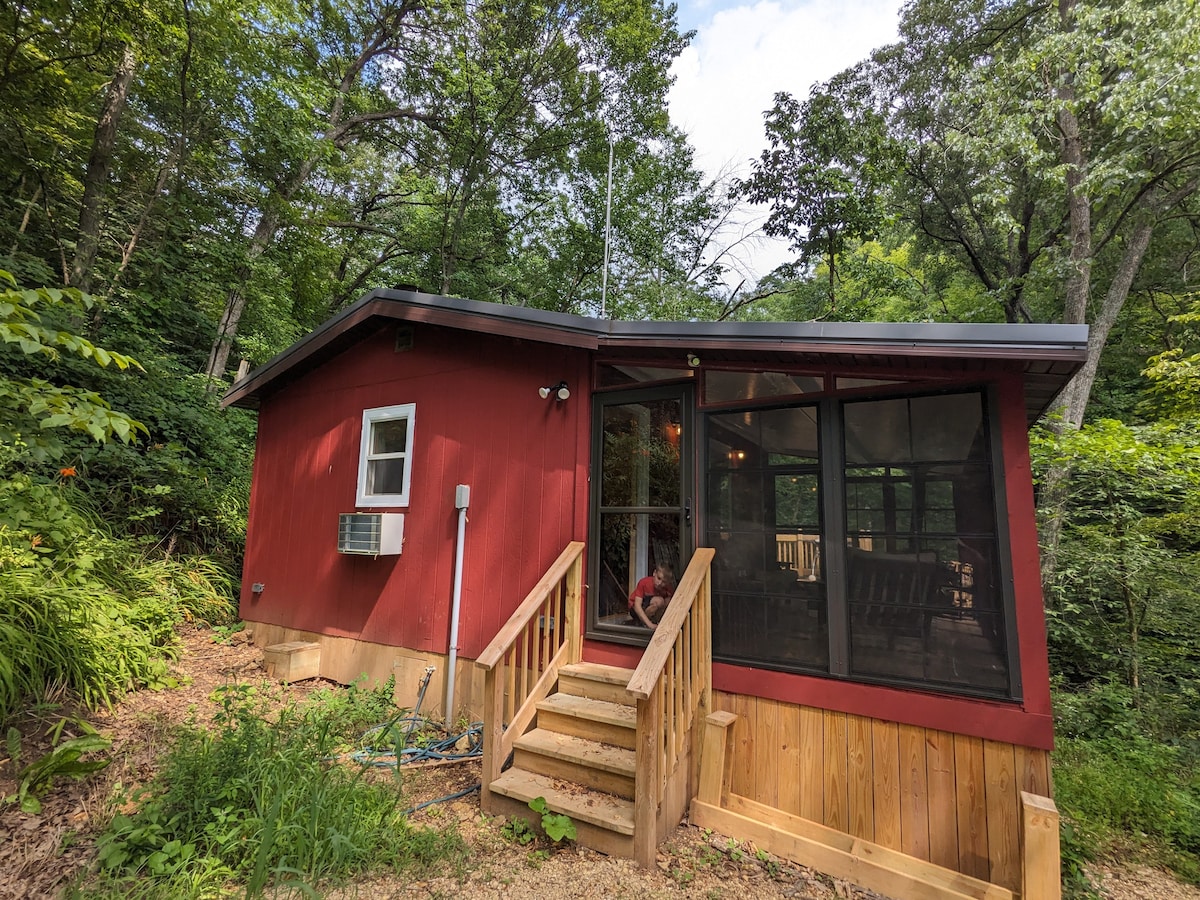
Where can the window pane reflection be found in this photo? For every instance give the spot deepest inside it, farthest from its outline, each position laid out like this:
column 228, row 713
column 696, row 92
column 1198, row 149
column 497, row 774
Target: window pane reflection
column 640, row 465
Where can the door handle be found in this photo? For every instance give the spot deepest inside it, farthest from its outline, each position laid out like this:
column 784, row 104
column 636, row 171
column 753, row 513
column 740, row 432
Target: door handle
column 687, row 511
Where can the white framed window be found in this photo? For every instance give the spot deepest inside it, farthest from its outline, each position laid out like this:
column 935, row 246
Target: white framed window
column 385, row 455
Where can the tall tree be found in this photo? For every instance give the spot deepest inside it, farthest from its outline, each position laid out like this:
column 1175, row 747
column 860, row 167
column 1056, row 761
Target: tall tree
column 327, row 91
column 1039, row 145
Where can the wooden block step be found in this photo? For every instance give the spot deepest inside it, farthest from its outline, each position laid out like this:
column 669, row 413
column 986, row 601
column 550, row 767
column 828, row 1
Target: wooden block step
column 293, row 661
column 596, row 682
column 596, row 720
column 586, row 834
column 603, row 810
column 601, row 767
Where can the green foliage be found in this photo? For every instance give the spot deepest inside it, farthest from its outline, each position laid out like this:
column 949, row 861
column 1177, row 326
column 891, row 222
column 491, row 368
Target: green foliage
column 256, row 800
column 558, row 827
column 825, row 172
column 1125, row 589
column 1123, row 613
column 85, row 611
column 346, row 712
column 29, row 405
column 876, row 281
column 63, row 761
column 518, row 831
column 1174, row 374
column 1119, row 786
column 223, row 634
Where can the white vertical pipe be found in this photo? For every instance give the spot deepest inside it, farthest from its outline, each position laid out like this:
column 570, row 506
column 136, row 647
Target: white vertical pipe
column 462, row 495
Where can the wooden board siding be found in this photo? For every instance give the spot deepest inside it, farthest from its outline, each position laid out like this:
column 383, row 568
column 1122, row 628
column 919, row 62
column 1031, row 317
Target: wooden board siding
column 479, row 421
column 950, row 799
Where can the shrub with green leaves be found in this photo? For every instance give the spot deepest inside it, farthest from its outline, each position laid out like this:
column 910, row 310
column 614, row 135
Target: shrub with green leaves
column 1116, row 785
column 85, row 612
column 29, row 321
column 259, row 798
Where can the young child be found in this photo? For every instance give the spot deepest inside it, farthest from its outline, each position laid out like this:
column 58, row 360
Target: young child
column 651, row 596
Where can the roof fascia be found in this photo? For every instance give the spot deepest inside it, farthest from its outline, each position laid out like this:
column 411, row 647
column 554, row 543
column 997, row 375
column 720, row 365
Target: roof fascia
column 1066, row 343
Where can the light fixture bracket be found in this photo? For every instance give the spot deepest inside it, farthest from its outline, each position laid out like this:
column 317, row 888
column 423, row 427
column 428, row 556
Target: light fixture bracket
column 558, row 391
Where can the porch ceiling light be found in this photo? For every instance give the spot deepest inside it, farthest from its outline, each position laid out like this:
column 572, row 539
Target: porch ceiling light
column 559, row 391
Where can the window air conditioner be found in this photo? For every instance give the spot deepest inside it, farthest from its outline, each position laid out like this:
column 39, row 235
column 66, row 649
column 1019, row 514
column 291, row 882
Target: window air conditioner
column 371, row 534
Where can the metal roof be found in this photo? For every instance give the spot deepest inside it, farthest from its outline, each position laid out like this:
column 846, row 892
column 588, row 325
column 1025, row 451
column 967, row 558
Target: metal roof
column 1048, row 355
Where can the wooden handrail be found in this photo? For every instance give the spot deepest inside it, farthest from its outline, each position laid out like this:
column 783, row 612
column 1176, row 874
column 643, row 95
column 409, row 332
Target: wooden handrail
column 671, row 687
column 529, row 607
column 522, row 662
column 645, row 677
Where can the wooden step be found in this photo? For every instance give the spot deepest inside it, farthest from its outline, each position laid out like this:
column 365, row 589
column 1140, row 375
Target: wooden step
column 602, row 810
column 293, row 661
column 596, row 682
column 596, row 720
column 601, row 767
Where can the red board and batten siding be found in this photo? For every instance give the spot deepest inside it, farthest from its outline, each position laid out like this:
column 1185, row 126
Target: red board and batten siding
column 1027, row 723
column 479, row 421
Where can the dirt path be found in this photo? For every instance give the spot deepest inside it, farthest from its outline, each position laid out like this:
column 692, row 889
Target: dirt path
column 40, row 854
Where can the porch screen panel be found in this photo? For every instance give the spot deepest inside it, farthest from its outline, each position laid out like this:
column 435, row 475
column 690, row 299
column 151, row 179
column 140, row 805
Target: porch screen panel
column 763, row 517
column 922, row 588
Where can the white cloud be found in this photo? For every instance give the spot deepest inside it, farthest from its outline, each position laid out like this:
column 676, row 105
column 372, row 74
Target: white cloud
column 742, row 55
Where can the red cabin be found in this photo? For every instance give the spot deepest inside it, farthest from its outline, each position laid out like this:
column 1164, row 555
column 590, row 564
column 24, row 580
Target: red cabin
column 841, row 513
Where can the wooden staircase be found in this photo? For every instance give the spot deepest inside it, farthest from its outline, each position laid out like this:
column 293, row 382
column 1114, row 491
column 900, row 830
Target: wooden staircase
column 580, row 758
column 614, row 749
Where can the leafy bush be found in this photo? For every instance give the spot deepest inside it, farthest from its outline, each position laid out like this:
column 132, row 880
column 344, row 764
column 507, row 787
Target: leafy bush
column 85, row 612
column 1118, row 786
column 348, row 712
column 188, row 478
column 258, row 798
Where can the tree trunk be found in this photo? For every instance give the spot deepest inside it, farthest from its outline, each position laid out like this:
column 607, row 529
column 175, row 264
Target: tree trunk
column 1078, row 391
column 30, row 204
column 160, row 185
column 235, row 300
column 98, row 168
column 1133, row 631
column 338, row 132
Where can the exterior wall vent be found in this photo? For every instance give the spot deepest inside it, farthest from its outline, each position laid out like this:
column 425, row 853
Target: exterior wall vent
column 371, row 534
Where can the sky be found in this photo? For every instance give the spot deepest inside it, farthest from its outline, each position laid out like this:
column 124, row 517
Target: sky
column 741, row 56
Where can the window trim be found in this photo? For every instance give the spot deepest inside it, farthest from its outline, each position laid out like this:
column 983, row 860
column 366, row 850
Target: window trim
column 406, row 411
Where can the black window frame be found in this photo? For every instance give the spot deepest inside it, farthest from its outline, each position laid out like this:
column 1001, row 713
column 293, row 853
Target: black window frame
column 832, row 467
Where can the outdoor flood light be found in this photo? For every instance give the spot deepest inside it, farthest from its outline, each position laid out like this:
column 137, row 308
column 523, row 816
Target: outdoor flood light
column 560, row 391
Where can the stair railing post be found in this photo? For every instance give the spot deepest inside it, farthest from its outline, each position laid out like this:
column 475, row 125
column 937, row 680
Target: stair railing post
column 573, row 610
column 702, row 661
column 1039, row 848
column 646, row 775
column 493, row 726
column 704, row 623
column 716, row 759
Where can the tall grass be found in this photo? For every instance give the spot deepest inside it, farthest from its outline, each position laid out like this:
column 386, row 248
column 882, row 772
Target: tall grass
column 259, row 801
column 86, row 613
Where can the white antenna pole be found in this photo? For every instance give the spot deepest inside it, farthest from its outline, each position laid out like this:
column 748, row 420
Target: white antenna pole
column 607, row 236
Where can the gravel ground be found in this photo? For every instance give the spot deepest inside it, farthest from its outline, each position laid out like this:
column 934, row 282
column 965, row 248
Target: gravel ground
column 40, row 854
